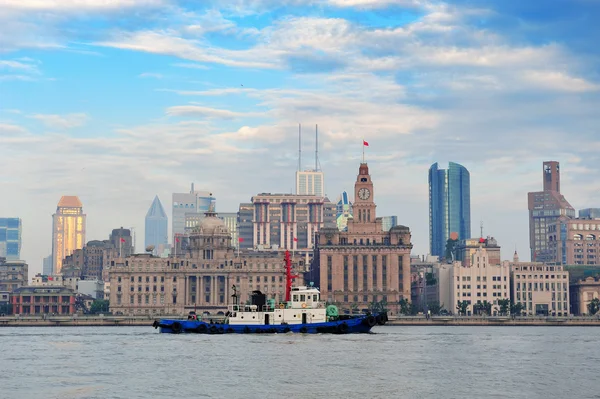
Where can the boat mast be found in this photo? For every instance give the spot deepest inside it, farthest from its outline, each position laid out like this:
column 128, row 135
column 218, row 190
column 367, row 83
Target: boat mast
column 289, row 276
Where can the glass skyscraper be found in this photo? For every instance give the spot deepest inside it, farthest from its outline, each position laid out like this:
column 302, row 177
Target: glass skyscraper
column 10, row 238
column 156, row 227
column 449, row 206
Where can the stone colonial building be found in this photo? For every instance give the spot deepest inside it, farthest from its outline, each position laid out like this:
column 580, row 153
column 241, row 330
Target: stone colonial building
column 199, row 278
column 363, row 264
column 582, row 293
column 13, row 274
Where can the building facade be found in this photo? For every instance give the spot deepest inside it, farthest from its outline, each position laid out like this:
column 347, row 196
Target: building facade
column 39, row 300
column 192, row 204
column 477, row 283
column 245, row 225
column 466, row 248
column 199, row 279
column 541, row 289
column 575, row 241
column 582, row 293
column 343, row 211
column 310, row 182
column 449, row 206
column 545, row 207
column 156, row 228
column 363, row 264
column 10, row 238
column 589, row 213
column 68, row 230
column 13, row 274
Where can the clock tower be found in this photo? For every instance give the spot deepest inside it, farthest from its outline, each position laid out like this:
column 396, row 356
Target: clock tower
column 364, row 205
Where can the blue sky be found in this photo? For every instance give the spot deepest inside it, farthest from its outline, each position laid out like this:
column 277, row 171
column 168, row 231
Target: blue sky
column 119, row 101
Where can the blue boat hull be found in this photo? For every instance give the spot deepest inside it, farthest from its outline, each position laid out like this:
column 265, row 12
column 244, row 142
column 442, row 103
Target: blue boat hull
column 354, row 325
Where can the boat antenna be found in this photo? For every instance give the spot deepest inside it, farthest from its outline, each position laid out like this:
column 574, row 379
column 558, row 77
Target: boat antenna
column 289, row 276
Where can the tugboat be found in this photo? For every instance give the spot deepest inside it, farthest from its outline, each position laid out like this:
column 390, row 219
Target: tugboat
column 302, row 312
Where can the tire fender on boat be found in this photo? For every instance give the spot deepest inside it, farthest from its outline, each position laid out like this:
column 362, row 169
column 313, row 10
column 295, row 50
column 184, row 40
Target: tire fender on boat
column 342, row 328
column 370, row 321
column 201, row 329
column 213, row 329
column 176, row 327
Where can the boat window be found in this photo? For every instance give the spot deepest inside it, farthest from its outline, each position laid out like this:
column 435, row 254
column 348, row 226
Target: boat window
column 295, row 298
column 302, row 298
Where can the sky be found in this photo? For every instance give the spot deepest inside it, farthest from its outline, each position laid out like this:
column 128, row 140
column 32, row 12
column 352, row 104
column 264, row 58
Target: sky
column 117, row 101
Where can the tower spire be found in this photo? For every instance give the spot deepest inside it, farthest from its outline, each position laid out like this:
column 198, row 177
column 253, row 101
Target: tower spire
column 316, row 148
column 299, row 147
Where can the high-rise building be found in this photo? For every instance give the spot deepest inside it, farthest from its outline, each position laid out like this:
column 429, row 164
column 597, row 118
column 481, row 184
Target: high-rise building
column 575, row 241
column 10, row 238
column 363, row 264
column 156, row 228
column 121, row 241
column 189, row 208
column 343, row 211
column 387, row 222
column 310, row 182
column 449, row 206
column 246, row 225
column 47, row 265
column 68, row 229
column 230, row 219
column 589, row 213
column 545, row 207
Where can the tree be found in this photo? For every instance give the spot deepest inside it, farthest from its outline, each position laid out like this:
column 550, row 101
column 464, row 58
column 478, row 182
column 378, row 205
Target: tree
column 516, row 308
column 99, row 306
column 405, row 307
column 5, row 308
column 462, row 307
column 451, row 249
column 593, row 306
column 354, row 308
column 435, row 307
column 504, row 306
column 486, row 307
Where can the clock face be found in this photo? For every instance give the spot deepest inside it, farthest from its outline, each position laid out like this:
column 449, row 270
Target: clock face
column 364, row 193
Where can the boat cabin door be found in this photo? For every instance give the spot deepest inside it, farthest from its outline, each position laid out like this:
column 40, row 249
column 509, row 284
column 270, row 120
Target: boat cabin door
column 303, row 318
column 267, row 321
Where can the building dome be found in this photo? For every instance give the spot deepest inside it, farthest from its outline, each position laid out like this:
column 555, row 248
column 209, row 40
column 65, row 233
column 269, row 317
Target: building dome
column 211, row 225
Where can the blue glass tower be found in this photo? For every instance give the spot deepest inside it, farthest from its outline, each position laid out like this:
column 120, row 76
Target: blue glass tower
column 10, row 238
column 449, row 205
column 156, row 227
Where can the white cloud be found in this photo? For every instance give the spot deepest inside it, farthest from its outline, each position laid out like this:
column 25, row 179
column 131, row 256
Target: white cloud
column 77, row 5
column 62, row 121
column 150, row 75
column 207, row 112
column 560, row 81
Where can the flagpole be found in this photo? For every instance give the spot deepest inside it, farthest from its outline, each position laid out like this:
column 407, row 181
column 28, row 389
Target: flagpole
column 363, row 149
column 120, row 247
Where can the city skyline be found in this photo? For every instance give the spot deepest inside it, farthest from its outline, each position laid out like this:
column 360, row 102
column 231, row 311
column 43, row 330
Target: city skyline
column 215, row 95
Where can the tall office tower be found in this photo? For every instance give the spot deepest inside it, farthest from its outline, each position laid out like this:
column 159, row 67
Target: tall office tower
column 10, row 238
column 156, row 228
column 343, row 211
column 121, row 241
column 309, row 181
column 449, row 206
column 545, row 207
column 47, row 265
column 245, row 225
column 189, row 209
column 68, row 230
column 230, row 219
column 387, row 222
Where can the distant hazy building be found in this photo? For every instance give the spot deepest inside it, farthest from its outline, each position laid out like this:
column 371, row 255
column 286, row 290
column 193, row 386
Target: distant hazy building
column 589, row 213
column 449, row 205
column 465, row 249
column 574, row 241
column 310, row 182
column 122, row 241
column 192, row 204
column 10, row 238
column 47, row 265
column 245, row 225
column 230, row 219
column 156, row 227
column 582, row 293
column 387, row 222
column 68, row 229
column 545, row 207
column 343, row 211
column 13, row 274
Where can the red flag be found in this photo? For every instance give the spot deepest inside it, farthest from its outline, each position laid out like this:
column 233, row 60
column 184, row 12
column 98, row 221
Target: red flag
column 50, row 278
column 295, row 239
column 122, row 239
column 240, row 239
column 365, row 143
column 177, row 239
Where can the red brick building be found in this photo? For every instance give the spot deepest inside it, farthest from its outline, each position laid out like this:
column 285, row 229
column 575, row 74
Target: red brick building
column 43, row 300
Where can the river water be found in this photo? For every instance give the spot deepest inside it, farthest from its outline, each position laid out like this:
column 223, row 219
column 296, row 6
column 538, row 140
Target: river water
column 393, row 362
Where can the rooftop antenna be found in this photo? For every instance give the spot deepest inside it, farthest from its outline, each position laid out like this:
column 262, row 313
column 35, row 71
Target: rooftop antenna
column 316, row 148
column 481, row 228
column 299, row 147
column 192, row 192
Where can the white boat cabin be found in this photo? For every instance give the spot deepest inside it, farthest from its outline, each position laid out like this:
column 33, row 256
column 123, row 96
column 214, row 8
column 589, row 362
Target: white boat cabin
column 304, row 307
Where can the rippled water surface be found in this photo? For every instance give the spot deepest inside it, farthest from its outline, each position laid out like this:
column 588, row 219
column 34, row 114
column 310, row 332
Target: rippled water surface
column 405, row 362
